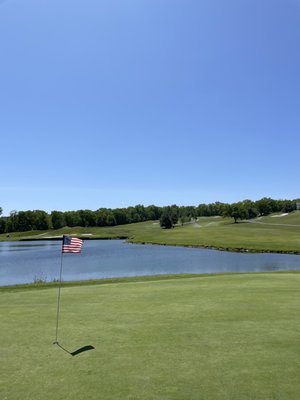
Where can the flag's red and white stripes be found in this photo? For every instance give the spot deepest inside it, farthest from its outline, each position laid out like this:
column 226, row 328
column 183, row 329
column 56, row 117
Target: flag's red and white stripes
column 71, row 244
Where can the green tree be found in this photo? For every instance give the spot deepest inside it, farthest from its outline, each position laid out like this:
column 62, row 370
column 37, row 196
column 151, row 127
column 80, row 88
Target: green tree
column 72, row 218
column 173, row 212
column 25, row 221
column 110, row 219
column 236, row 211
column 251, row 208
column 166, row 221
column 215, row 208
column 41, row 220
column 3, row 227
column 288, row 206
column 12, row 222
column 120, row 216
column 58, row 219
column 266, row 205
column 141, row 212
column 101, row 215
column 87, row 218
column 153, row 212
column 187, row 213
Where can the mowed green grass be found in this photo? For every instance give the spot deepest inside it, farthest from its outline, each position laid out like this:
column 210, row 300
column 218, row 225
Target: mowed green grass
column 231, row 337
column 223, row 234
column 277, row 234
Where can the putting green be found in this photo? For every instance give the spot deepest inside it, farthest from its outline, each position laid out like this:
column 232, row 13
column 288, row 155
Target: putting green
column 212, row 337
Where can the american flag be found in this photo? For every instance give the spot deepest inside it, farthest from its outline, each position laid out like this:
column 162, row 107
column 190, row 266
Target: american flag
column 71, row 244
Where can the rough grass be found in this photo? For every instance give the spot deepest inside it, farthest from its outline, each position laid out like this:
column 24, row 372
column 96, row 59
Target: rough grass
column 229, row 337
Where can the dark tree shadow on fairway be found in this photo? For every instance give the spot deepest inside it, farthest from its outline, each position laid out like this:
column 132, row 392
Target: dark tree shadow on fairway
column 76, row 352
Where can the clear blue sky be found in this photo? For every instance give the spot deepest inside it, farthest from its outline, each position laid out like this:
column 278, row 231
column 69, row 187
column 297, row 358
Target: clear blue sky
column 112, row 103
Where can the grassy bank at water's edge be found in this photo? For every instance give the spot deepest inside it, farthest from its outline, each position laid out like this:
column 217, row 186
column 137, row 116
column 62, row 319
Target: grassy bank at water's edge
column 276, row 233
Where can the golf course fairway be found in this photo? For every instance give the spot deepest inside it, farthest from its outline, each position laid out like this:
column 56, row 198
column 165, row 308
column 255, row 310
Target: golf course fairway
column 234, row 337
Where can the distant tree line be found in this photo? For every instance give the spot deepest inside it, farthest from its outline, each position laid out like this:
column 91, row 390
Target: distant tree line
column 20, row 221
column 241, row 210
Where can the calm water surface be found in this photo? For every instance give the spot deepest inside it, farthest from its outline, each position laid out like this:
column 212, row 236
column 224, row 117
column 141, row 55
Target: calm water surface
column 24, row 262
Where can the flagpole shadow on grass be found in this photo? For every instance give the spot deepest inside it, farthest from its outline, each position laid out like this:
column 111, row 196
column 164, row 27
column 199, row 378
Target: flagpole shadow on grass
column 69, row 245
column 76, row 352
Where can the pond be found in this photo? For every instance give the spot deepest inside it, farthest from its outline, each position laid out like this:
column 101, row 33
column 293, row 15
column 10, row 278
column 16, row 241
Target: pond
column 25, row 262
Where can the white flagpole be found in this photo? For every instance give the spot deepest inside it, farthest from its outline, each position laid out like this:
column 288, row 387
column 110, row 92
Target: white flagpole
column 58, row 299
